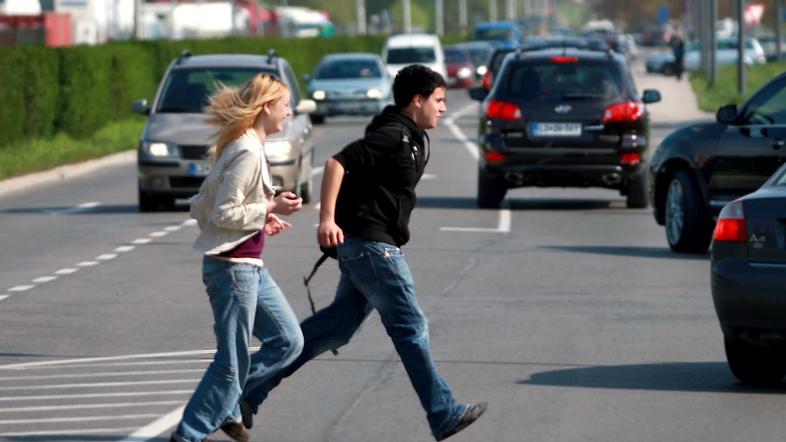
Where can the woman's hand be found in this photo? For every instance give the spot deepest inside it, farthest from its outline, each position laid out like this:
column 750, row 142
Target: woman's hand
column 287, row 203
column 275, row 225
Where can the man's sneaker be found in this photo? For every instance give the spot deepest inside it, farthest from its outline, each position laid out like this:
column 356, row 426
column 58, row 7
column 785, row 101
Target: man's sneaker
column 236, row 431
column 247, row 412
column 471, row 415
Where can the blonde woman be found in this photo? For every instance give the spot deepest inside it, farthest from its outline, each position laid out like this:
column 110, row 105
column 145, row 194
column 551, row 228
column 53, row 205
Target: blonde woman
column 236, row 208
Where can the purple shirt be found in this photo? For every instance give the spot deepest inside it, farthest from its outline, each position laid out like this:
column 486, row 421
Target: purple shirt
column 250, row 248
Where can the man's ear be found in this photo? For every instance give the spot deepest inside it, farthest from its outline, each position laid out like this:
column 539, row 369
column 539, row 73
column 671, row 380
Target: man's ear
column 418, row 100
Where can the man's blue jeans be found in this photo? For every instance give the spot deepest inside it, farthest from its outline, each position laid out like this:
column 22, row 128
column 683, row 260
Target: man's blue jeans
column 374, row 275
column 245, row 300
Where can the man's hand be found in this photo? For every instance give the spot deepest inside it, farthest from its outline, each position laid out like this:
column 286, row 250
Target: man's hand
column 329, row 234
column 275, row 225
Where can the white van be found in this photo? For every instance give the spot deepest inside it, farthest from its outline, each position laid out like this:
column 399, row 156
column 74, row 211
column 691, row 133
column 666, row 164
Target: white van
column 406, row 49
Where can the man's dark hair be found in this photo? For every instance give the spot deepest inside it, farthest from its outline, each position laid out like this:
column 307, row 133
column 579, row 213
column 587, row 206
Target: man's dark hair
column 414, row 80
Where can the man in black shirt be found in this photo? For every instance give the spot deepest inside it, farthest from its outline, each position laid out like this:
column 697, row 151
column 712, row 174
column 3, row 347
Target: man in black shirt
column 368, row 193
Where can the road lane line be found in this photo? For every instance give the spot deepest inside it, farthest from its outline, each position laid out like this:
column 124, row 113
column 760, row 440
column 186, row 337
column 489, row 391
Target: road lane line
column 87, row 406
column 189, row 222
column 106, row 256
column 78, row 208
column 49, row 420
column 102, row 375
column 141, row 241
column 4, row 297
column 20, row 288
column 129, row 364
column 28, row 365
column 173, row 228
column 156, row 427
column 87, row 263
column 50, row 397
column 39, row 434
column 123, row 249
column 159, row 234
column 66, row 271
column 98, row 385
column 43, row 279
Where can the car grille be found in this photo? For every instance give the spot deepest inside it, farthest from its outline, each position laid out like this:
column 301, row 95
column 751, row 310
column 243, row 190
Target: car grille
column 195, row 152
column 185, row 182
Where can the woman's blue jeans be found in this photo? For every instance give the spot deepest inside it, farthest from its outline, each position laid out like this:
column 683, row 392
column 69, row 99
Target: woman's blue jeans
column 245, row 300
column 374, row 275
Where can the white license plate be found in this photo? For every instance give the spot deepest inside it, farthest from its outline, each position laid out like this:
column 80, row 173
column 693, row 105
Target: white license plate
column 199, row 169
column 556, row 129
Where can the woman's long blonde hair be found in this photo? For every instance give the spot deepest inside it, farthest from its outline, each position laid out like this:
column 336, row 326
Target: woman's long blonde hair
column 234, row 110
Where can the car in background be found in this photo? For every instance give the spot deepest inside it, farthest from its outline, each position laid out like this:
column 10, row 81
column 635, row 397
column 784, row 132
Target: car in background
column 748, row 270
column 349, row 84
column 461, row 69
column 699, row 168
column 501, row 33
column 726, row 53
column 768, row 43
column 493, row 64
column 563, row 117
column 661, row 63
column 480, row 51
column 174, row 154
column 406, row 49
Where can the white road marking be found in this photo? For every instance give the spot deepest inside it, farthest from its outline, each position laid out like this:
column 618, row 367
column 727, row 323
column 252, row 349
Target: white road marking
column 3, row 297
column 156, row 427
column 129, row 364
column 317, row 170
column 67, row 432
column 27, row 365
column 172, row 228
column 189, row 223
column 43, row 279
column 20, row 288
column 101, row 375
column 106, row 256
column 141, row 241
column 471, row 147
column 49, row 420
column 158, row 234
column 78, row 208
column 87, row 407
column 97, row 385
column 87, row 263
column 51, row 397
column 123, row 249
column 66, row 271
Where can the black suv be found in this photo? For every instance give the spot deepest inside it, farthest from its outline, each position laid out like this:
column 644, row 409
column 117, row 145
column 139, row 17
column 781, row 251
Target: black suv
column 563, row 118
column 699, row 168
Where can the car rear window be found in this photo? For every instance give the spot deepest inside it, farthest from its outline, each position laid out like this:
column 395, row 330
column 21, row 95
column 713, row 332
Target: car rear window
column 493, row 34
column 338, row 69
column 560, row 82
column 457, row 56
column 412, row 54
column 187, row 89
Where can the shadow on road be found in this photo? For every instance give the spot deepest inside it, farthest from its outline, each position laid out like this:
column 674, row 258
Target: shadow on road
column 712, row 377
column 463, row 202
column 99, row 210
column 641, row 252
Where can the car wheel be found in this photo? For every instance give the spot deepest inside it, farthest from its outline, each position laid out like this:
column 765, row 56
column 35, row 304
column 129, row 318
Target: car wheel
column 317, row 119
column 688, row 225
column 307, row 189
column 637, row 192
column 147, row 202
column 753, row 364
column 491, row 191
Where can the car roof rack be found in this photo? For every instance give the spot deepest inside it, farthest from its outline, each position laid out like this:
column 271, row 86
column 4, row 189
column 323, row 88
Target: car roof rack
column 183, row 56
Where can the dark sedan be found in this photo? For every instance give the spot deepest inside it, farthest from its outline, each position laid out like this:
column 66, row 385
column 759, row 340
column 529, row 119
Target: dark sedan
column 748, row 273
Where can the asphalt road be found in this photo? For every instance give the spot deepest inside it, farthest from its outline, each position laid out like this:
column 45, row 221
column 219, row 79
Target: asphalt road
column 565, row 310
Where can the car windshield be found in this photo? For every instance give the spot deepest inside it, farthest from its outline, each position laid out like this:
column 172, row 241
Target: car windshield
column 479, row 55
column 493, row 34
column 186, row 90
column 456, row 56
column 560, row 82
column 413, row 54
column 348, row 68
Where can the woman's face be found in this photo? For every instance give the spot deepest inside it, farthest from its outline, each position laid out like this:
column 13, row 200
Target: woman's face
column 277, row 114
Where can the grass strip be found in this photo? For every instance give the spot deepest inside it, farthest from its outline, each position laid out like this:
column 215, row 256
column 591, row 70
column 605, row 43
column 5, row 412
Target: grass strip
column 724, row 91
column 43, row 154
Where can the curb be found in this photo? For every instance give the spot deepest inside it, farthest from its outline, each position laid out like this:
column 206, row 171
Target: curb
column 64, row 172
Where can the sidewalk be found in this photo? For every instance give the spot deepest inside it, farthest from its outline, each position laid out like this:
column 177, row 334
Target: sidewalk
column 678, row 105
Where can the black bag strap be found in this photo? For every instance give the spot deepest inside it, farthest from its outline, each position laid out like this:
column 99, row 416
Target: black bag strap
column 307, row 280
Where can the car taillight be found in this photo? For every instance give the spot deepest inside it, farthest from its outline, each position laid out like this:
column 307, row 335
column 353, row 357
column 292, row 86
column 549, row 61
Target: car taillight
column 623, row 112
column 564, row 60
column 503, row 110
column 731, row 223
column 630, row 159
column 494, row 157
column 487, row 80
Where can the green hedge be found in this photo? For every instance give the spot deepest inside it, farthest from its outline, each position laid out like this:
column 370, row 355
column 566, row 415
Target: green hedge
column 78, row 90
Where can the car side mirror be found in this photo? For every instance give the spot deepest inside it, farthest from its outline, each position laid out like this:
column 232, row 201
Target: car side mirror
column 478, row 93
column 651, row 96
column 140, row 107
column 306, row 78
column 306, row 106
column 726, row 114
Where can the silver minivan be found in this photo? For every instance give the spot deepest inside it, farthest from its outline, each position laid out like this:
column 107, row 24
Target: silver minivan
column 174, row 149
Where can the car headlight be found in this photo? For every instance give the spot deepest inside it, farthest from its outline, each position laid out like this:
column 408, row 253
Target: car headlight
column 374, row 93
column 158, row 149
column 278, row 151
column 482, row 71
column 464, row 72
column 319, row 94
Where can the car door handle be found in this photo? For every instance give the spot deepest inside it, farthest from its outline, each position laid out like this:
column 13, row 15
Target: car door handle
column 778, row 143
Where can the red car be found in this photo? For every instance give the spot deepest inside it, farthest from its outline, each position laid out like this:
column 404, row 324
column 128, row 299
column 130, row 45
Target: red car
column 461, row 69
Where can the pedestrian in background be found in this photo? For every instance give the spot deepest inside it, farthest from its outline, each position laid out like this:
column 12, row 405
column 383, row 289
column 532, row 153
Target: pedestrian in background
column 677, row 45
column 235, row 209
column 368, row 193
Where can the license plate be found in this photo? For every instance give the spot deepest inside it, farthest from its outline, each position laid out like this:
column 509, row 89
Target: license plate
column 556, row 129
column 199, row 169
column 348, row 106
